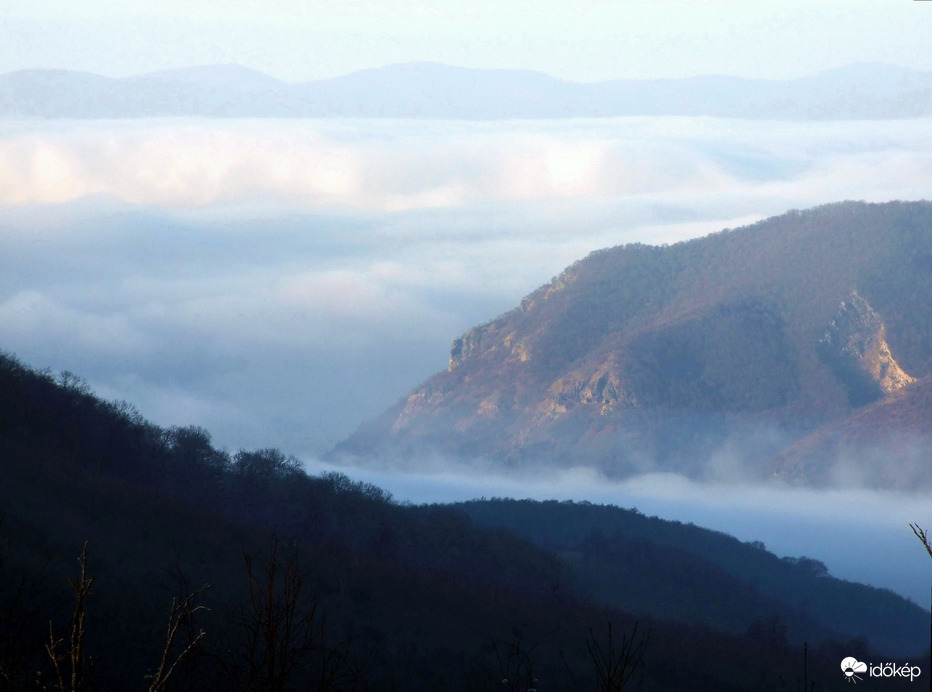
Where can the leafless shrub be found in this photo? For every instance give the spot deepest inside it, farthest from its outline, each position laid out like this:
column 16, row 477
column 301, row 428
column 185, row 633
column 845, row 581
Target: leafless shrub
column 69, row 663
column 615, row 663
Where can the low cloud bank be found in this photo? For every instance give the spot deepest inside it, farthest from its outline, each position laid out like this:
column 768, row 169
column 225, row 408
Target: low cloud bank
column 279, row 282
column 390, row 166
column 860, row 534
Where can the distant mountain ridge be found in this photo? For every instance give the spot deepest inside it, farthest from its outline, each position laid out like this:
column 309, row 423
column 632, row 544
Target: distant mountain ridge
column 431, row 90
column 711, row 356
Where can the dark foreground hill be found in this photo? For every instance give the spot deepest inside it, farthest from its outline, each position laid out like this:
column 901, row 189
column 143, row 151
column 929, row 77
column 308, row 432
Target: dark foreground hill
column 644, row 358
column 320, row 583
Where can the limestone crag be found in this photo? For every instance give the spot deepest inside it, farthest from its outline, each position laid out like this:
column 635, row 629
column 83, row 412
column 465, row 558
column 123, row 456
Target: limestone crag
column 466, row 345
column 670, row 358
column 855, row 347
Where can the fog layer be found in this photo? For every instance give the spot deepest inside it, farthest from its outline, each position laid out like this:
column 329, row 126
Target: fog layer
column 279, row 282
column 860, row 535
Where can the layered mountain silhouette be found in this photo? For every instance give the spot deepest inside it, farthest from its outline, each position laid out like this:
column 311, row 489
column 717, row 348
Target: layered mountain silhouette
column 349, row 586
column 430, row 90
column 798, row 347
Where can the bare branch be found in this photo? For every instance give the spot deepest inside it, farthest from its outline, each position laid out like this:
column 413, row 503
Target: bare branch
column 181, row 611
column 615, row 667
column 74, row 655
column 922, row 536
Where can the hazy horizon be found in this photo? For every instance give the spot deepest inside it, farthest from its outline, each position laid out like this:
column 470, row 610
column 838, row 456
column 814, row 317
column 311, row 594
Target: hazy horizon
column 599, row 41
column 232, row 68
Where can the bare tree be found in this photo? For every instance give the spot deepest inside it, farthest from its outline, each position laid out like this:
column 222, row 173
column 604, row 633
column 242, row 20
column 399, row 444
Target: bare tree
column 278, row 625
column 614, row 668
column 515, row 664
column 924, row 539
column 615, row 664
column 506, row 665
column 182, row 611
column 69, row 664
column 286, row 631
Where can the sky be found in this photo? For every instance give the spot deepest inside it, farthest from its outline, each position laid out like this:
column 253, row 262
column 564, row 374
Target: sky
column 299, row 40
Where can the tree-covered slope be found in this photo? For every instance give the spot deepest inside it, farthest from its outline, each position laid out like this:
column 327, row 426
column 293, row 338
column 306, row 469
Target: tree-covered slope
column 641, row 357
column 390, row 596
column 647, row 564
column 883, row 444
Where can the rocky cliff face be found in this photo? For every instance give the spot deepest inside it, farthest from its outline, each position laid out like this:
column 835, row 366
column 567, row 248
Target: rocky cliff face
column 642, row 357
column 855, row 348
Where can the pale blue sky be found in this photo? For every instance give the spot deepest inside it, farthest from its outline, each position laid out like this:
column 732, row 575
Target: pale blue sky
column 298, row 40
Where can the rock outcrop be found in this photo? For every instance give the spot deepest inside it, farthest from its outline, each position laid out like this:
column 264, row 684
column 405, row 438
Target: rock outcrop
column 855, row 347
column 669, row 358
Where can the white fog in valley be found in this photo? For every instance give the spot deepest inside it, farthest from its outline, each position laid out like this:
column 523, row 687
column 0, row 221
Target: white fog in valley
column 278, row 282
column 859, row 535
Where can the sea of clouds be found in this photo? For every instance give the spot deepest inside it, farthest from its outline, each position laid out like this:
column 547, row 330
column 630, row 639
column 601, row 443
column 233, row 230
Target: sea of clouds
column 280, row 281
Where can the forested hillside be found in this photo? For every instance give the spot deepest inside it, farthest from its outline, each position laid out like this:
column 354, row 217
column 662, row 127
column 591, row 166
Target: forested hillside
column 640, row 358
column 280, row 580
